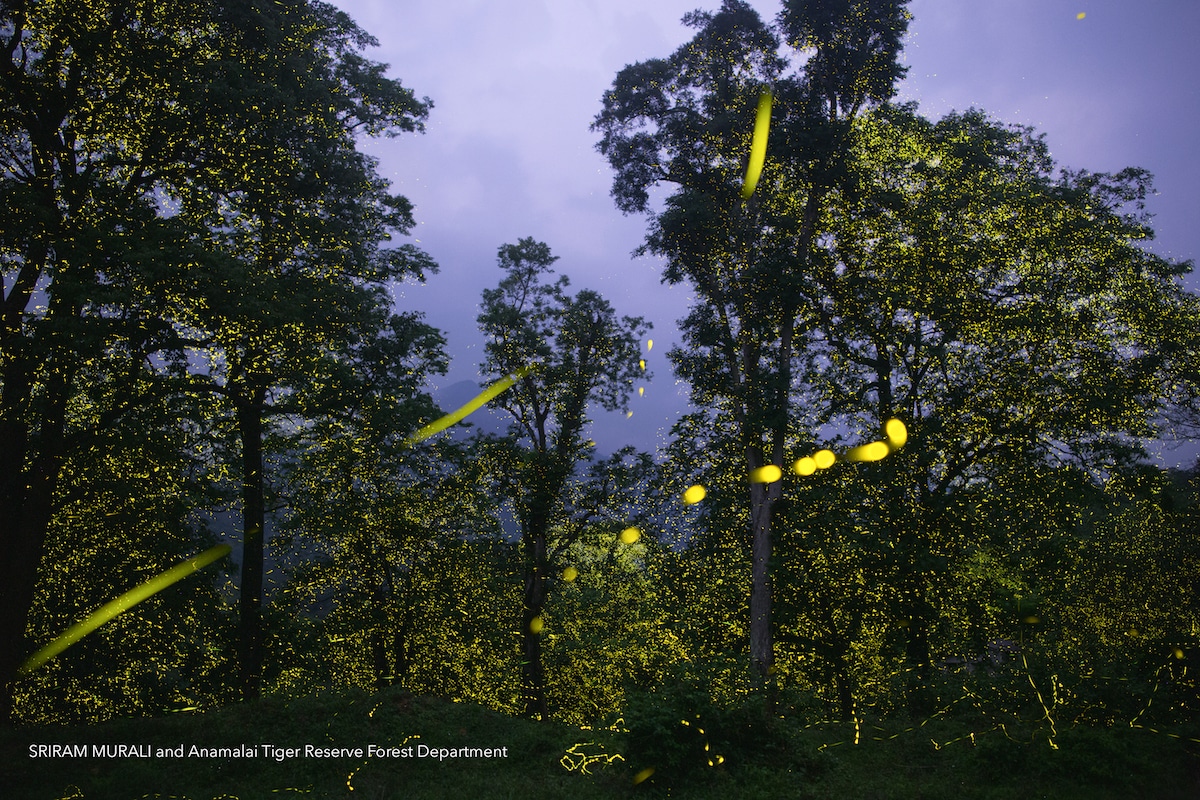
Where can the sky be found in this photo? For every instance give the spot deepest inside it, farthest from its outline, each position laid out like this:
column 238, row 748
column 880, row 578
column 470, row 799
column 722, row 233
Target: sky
column 515, row 84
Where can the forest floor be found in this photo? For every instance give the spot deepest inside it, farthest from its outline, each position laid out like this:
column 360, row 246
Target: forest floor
column 434, row 748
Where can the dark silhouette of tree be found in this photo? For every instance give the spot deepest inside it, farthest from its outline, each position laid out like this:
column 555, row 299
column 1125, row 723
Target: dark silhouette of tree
column 159, row 156
column 581, row 354
column 686, row 121
column 298, row 225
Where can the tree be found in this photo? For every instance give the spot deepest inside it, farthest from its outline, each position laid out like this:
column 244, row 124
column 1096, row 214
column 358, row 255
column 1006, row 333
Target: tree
column 94, row 120
column 1011, row 315
column 119, row 124
column 300, row 221
column 686, row 121
column 581, row 354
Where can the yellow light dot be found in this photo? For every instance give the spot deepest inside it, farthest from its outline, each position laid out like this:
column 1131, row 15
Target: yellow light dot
column 641, row 391
column 824, row 459
column 694, row 494
column 1030, row 620
column 896, row 432
column 570, row 574
column 643, row 775
column 536, row 625
column 1081, row 15
column 649, row 344
column 630, row 535
column 875, row 451
column 804, row 466
column 768, row 474
column 1177, row 652
column 642, row 363
column 628, row 414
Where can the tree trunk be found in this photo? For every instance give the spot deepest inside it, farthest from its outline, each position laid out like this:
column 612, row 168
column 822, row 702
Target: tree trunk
column 250, row 426
column 533, row 676
column 762, row 651
column 26, row 506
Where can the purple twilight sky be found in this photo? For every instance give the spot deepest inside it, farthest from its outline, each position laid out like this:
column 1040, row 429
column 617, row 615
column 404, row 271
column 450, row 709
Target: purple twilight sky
column 516, row 83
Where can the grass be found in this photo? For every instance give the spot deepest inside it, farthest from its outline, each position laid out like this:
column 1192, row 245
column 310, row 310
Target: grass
column 938, row 760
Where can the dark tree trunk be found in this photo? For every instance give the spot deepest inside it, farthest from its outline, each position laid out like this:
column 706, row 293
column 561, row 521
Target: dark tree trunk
column 250, row 426
column 26, row 505
column 762, row 652
column 533, row 676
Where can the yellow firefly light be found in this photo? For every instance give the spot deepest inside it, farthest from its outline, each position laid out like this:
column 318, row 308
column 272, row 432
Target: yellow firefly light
column 641, row 391
column 896, row 434
column 630, row 535
column 569, row 574
column 496, row 389
column 768, row 474
column 758, row 147
column 536, row 625
column 804, row 466
column 122, row 604
column 642, row 363
column 694, row 494
column 649, row 344
column 824, row 459
column 643, row 775
column 875, row 451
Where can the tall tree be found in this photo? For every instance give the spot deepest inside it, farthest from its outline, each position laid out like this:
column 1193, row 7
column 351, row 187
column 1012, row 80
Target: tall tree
column 95, row 120
column 118, row 123
column 581, row 353
column 1010, row 314
column 687, row 121
column 298, row 220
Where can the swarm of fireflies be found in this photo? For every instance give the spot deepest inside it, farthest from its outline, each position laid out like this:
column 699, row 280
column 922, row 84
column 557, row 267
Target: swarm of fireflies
column 758, row 147
column 113, row 608
column 630, row 535
column 693, row 495
column 496, row 389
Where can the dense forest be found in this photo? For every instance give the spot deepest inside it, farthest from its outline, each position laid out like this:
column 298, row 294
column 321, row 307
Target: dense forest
column 923, row 363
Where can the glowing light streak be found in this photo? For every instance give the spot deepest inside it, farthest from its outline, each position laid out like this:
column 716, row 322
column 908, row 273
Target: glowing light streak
column 824, row 459
column 495, row 390
column 875, row 451
column 120, row 605
column 896, row 432
column 768, row 474
column 895, row 435
column 643, row 775
column 758, row 146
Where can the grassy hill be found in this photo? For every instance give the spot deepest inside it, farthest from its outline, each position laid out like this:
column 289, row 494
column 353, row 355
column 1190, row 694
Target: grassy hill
column 941, row 759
